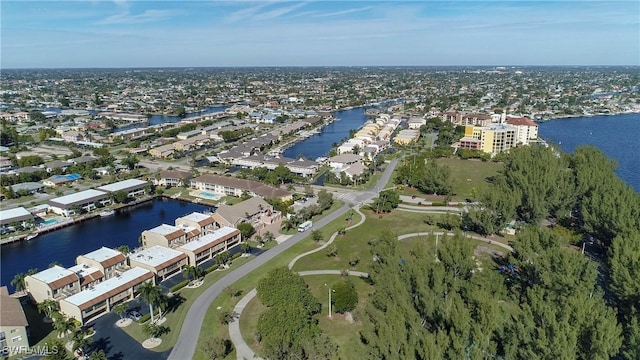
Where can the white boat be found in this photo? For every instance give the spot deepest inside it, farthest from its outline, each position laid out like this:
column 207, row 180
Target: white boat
column 31, row 236
column 107, row 213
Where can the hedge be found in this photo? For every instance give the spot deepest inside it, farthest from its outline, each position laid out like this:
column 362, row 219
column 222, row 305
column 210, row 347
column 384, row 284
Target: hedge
column 144, row 318
column 179, row 285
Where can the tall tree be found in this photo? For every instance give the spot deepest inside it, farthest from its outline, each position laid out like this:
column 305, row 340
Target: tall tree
column 150, row 293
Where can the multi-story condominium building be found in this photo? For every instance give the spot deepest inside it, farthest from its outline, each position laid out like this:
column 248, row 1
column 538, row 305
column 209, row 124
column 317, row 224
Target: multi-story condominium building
column 100, row 299
column 491, row 139
column 110, row 262
column 498, row 139
column 208, row 246
column 173, row 178
column 133, row 187
column 526, row 129
column 65, row 205
column 162, row 261
column 54, row 283
column 89, row 275
column 164, row 235
column 406, row 136
column 202, row 222
column 13, row 325
column 226, row 185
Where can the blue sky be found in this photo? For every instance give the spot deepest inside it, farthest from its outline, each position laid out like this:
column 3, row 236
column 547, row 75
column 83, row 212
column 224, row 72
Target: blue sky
column 99, row 33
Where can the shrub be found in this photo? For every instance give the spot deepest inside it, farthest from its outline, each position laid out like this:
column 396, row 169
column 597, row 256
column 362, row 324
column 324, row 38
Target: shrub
column 144, row 318
column 179, row 285
column 235, row 256
column 332, row 251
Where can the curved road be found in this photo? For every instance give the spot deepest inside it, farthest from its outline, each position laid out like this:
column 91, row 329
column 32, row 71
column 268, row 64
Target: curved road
column 185, row 347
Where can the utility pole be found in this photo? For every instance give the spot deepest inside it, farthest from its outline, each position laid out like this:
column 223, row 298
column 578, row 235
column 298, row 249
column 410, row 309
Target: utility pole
column 330, row 291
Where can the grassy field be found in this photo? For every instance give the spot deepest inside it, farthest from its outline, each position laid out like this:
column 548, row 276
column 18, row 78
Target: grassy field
column 355, row 242
column 465, row 175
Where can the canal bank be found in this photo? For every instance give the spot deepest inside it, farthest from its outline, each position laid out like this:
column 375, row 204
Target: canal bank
column 65, row 244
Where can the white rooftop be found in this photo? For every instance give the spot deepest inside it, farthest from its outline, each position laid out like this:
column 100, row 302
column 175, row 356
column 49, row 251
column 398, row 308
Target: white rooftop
column 207, row 239
column 52, row 274
column 122, row 185
column 83, row 270
column 195, row 216
column 155, row 255
column 79, row 196
column 164, row 229
column 14, row 213
column 106, row 286
column 102, row 254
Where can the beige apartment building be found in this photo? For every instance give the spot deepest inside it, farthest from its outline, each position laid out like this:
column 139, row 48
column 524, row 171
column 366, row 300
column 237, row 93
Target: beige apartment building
column 13, row 325
column 198, row 220
column 98, row 300
column 162, row 261
column 208, row 246
column 109, row 261
column 54, row 283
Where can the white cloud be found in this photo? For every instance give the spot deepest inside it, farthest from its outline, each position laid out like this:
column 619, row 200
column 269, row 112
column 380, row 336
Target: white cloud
column 145, row 17
column 276, row 13
column 345, row 12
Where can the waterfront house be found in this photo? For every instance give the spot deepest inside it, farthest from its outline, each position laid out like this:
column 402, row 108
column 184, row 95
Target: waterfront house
column 54, row 283
column 65, row 205
column 132, row 187
column 230, row 186
column 15, row 215
column 343, row 160
column 170, row 178
column 13, row 324
column 164, row 262
column 110, row 262
column 208, row 246
column 98, row 300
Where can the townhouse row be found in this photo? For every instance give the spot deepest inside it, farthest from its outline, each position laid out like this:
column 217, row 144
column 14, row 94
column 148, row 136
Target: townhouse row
column 106, row 277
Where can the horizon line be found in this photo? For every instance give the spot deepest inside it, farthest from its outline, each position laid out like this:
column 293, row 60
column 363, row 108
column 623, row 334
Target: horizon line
column 313, row 66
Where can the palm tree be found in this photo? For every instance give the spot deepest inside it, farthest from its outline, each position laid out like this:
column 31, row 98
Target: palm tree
column 124, row 249
column 18, row 282
column 150, row 293
column 48, row 307
column 120, row 309
column 80, row 341
column 188, row 272
column 63, row 325
column 162, row 304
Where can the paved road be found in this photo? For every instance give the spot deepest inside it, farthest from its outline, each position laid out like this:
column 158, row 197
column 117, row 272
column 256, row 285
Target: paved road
column 185, row 347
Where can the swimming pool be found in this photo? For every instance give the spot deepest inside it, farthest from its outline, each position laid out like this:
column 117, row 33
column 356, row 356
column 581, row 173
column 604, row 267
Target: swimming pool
column 50, row 222
column 209, row 195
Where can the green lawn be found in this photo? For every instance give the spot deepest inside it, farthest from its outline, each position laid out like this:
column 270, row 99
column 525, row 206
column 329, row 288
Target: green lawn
column 465, row 175
column 355, row 242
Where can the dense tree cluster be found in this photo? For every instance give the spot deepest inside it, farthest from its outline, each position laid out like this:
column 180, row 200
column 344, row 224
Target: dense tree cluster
column 427, row 176
column 386, row 201
column 582, row 192
column 233, row 135
column 288, row 329
column 440, row 304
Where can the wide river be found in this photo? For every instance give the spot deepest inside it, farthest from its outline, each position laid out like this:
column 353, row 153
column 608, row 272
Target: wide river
column 618, row 136
column 65, row 244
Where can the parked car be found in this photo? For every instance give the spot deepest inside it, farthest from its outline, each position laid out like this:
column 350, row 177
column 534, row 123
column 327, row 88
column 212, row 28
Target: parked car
column 134, row 315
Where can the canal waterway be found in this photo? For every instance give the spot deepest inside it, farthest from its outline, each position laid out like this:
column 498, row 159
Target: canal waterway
column 123, row 228
column 320, row 144
column 617, row 136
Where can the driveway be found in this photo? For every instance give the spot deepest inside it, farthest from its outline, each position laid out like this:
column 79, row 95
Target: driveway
column 117, row 344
